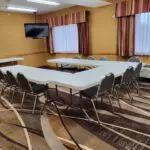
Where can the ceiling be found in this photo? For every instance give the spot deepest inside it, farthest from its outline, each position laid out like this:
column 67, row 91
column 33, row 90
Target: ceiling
column 41, row 8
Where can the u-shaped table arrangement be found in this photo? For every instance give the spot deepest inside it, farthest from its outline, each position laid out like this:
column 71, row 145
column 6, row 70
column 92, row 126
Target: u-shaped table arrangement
column 77, row 81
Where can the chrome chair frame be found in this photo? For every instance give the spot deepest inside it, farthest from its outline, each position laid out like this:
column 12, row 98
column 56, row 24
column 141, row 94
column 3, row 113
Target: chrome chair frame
column 5, row 82
column 136, row 77
column 28, row 90
column 103, row 90
column 126, row 81
column 15, row 86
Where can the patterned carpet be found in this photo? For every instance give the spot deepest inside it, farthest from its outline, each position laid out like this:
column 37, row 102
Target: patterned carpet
column 126, row 129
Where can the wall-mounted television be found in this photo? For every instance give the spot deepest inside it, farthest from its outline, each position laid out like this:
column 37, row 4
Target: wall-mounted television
column 36, row 30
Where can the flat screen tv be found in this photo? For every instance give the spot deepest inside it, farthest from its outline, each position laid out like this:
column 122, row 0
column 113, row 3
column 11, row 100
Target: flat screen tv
column 36, row 30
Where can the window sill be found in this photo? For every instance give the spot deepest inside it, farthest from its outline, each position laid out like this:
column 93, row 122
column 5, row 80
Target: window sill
column 64, row 53
column 142, row 54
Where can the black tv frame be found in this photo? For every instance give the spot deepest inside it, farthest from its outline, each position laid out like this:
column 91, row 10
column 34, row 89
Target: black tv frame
column 32, row 24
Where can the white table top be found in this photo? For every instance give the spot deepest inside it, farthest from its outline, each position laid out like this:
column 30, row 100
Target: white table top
column 78, row 81
column 85, row 79
column 145, row 72
column 12, row 59
column 92, row 63
column 41, row 76
column 71, row 61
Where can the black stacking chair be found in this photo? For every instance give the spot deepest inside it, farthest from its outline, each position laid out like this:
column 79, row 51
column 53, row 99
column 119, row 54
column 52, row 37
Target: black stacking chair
column 2, row 78
column 125, row 82
column 13, row 82
column 103, row 58
column 104, row 89
column 137, row 76
column 4, row 81
column 36, row 90
column 91, row 58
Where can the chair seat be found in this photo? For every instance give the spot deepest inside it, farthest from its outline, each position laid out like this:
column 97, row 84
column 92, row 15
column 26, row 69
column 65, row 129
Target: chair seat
column 39, row 88
column 89, row 93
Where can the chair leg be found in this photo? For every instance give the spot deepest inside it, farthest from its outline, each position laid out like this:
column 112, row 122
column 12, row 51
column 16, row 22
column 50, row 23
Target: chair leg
column 101, row 99
column 10, row 90
column 117, row 97
column 129, row 93
column 84, row 110
column 3, row 89
column 46, row 101
column 137, row 87
column 23, row 98
column 95, row 111
column 35, row 101
column 42, row 109
column 13, row 94
column 110, row 101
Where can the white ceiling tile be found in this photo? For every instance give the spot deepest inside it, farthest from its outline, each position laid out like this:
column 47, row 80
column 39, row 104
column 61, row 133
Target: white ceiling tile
column 41, row 8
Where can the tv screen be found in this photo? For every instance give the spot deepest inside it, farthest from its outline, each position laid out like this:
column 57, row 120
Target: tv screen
column 36, row 31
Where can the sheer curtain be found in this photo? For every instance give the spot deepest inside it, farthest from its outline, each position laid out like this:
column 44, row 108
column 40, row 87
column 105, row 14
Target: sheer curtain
column 65, row 39
column 142, row 34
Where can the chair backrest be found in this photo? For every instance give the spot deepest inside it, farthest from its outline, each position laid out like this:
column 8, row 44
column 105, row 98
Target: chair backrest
column 11, row 78
column 127, row 76
column 103, row 58
column 138, row 70
column 2, row 76
column 134, row 59
column 107, row 83
column 91, row 58
column 24, row 82
column 77, row 57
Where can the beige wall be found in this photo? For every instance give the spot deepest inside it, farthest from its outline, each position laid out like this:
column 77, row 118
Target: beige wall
column 14, row 43
column 103, row 32
column 103, row 36
column 103, row 29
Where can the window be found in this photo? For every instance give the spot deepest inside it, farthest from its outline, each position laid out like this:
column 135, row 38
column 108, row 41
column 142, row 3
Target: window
column 142, row 34
column 66, row 39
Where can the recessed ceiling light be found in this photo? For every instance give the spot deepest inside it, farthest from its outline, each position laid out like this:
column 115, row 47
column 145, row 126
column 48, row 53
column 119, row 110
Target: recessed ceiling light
column 47, row 2
column 22, row 9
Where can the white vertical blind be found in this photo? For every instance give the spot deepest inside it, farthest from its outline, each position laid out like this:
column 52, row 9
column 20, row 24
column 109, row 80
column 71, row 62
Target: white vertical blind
column 66, row 39
column 142, row 34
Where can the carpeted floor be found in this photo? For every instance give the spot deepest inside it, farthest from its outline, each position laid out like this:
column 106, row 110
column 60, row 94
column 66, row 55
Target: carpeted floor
column 126, row 129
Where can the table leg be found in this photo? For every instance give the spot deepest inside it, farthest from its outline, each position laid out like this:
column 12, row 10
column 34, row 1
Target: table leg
column 65, row 106
column 56, row 90
column 57, row 67
column 70, row 97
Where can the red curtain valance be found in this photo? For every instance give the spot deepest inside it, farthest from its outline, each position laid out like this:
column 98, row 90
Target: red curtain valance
column 132, row 7
column 70, row 18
